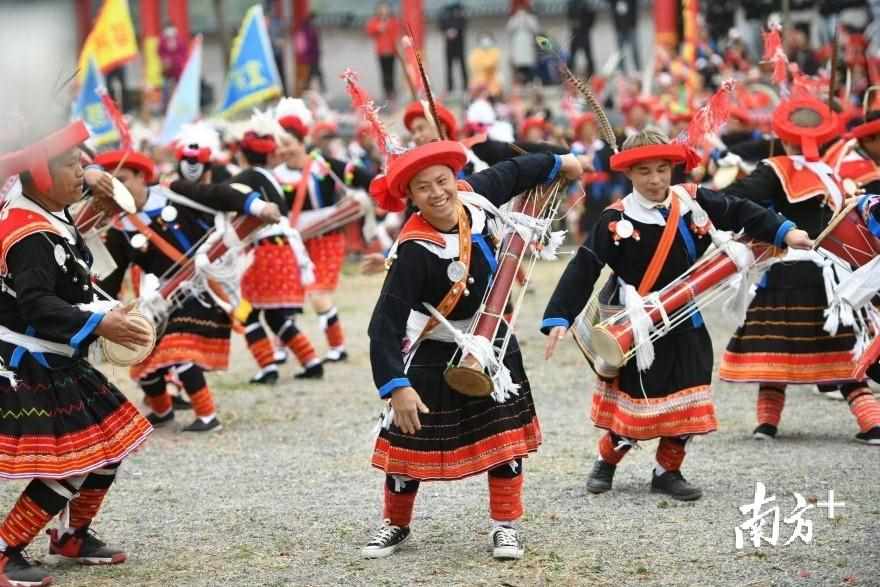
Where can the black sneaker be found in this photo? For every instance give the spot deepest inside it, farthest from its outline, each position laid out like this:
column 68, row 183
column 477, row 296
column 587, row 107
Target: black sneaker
column 335, row 356
column 265, row 377
column 199, row 425
column 601, row 477
column 506, row 544
column 16, row 569
column 84, row 547
column 871, row 437
column 386, row 541
column 674, row 485
column 179, row 403
column 764, row 432
column 159, row 421
column 316, row 371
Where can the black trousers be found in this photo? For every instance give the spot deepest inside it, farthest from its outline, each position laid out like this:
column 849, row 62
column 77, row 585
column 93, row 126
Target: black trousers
column 580, row 41
column 386, row 65
column 453, row 56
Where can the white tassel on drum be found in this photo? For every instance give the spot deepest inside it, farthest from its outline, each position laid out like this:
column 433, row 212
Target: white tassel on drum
column 306, row 266
column 550, row 250
column 851, row 303
column 484, row 352
column 641, row 326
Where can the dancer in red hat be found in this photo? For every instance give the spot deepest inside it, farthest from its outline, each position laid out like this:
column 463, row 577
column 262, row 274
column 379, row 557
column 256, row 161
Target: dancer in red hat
column 782, row 341
column 445, row 257
column 650, row 238
column 65, row 426
column 167, row 229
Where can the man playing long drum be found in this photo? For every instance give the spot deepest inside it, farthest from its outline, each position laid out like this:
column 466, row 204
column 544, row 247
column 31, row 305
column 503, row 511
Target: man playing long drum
column 649, row 238
column 445, row 259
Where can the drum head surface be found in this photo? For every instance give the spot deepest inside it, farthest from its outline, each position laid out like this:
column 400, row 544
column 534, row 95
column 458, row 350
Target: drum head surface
column 607, row 347
column 468, row 381
column 123, row 197
column 125, row 357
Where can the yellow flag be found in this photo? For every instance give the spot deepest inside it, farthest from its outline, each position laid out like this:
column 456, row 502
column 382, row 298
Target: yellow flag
column 112, row 40
column 152, row 63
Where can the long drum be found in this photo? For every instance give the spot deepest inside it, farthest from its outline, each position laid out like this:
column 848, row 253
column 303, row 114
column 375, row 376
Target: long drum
column 849, row 238
column 613, row 339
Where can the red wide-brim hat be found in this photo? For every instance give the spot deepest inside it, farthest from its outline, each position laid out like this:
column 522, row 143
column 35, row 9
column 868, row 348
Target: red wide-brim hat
column 133, row 160
column 531, row 123
column 35, row 157
column 295, row 125
column 580, row 121
column 674, row 153
column 447, row 118
column 389, row 190
column 809, row 138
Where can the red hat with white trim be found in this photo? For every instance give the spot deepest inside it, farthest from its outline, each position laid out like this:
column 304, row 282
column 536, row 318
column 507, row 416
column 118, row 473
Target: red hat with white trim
column 35, row 157
column 390, row 189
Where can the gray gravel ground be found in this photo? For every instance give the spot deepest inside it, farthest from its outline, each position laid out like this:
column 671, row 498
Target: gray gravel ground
column 285, row 494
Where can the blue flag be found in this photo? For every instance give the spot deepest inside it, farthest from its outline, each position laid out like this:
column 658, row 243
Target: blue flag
column 253, row 76
column 89, row 107
column 184, row 104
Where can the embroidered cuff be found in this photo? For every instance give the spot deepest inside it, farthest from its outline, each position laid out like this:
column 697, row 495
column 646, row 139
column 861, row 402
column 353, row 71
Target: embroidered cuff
column 557, row 165
column 784, row 229
column 87, row 329
column 386, row 390
column 253, row 205
column 549, row 323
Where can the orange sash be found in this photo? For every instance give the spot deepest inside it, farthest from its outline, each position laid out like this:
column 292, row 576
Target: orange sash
column 302, row 188
column 663, row 248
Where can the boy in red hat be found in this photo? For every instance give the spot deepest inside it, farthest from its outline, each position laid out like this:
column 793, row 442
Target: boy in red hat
column 166, row 228
column 782, row 341
column 650, row 238
column 445, row 258
column 66, row 427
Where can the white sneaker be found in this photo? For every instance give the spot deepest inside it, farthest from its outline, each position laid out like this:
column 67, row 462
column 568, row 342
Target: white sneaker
column 506, row 544
column 386, row 541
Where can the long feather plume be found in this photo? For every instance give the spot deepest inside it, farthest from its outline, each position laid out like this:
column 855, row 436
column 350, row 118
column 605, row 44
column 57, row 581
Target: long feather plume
column 362, row 102
column 426, row 84
column 605, row 128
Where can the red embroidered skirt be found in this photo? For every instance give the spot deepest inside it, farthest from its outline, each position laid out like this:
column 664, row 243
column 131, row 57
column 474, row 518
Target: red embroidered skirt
column 273, row 280
column 328, row 254
column 195, row 334
column 782, row 339
column 63, row 422
column 672, row 398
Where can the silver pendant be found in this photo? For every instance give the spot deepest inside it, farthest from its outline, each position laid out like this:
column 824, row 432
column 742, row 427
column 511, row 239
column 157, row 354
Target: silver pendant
column 169, row 213
column 60, row 255
column 138, row 241
column 624, row 229
column 456, row 271
column 700, row 218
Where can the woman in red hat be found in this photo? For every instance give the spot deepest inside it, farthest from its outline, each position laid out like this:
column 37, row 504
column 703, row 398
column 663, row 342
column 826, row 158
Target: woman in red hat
column 166, row 227
column 65, row 426
column 445, row 257
column 782, row 341
column 650, row 238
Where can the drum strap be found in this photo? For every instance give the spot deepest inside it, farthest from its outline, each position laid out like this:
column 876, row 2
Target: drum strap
column 302, row 188
column 450, row 300
column 663, row 248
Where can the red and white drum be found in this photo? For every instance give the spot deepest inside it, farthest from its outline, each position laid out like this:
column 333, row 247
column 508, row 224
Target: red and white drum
column 848, row 237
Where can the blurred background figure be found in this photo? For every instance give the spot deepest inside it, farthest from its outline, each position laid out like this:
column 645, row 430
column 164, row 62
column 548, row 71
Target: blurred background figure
column 307, row 49
column 385, row 30
column 173, row 52
column 485, row 64
column 625, row 14
column 452, row 22
column 581, row 15
column 522, row 28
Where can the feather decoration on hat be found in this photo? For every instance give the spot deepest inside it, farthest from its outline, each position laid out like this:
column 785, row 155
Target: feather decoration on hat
column 263, row 123
column 710, row 118
column 775, row 54
column 201, row 134
column 426, row 87
column 294, row 107
column 362, row 102
column 605, row 128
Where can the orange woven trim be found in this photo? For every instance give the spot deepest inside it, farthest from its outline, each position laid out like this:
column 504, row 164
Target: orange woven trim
column 74, row 454
column 505, row 498
column 263, row 352
column 211, row 354
column 84, row 507
column 785, row 368
column 663, row 248
column 19, row 233
column 686, row 411
column 327, row 252
column 470, row 460
column 799, row 185
column 24, row 522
